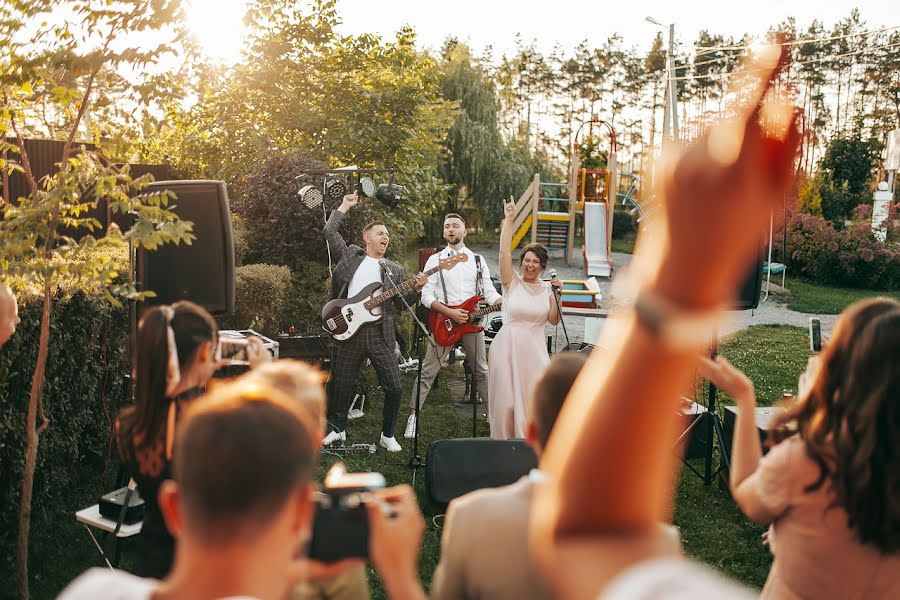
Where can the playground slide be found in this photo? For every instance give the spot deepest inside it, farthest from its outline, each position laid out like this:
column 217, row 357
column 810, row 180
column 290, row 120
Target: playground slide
column 597, row 260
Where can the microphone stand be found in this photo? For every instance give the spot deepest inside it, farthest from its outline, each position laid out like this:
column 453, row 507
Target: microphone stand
column 415, row 461
column 561, row 319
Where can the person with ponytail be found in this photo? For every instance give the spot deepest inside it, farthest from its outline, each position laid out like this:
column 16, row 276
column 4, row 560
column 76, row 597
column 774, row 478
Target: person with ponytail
column 174, row 360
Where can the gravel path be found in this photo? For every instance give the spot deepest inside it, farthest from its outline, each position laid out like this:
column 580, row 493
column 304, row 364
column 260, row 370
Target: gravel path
column 769, row 312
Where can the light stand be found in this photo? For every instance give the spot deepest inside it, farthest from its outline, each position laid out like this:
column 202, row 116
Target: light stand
column 415, row 461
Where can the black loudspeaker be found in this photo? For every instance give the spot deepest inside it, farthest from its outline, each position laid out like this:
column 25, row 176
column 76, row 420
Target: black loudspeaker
column 763, row 416
column 457, row 467
column 750, row 290
column 202, row 272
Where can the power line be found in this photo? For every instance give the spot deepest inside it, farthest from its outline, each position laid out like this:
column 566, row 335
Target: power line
column 711, row 49
column 806, row 62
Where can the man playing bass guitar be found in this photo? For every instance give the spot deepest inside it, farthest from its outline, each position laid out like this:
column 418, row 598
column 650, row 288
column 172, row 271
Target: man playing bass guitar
column 444, row 291
column 357, row 268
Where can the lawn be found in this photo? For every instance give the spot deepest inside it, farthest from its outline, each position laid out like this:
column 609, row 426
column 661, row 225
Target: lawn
column 808, row 297
column 712, row 528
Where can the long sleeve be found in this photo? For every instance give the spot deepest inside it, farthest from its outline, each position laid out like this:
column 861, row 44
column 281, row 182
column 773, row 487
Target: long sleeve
column 335, row 240
column 429, row 292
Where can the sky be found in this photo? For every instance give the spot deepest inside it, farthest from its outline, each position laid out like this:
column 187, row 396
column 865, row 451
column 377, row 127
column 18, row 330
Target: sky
column 566, row 23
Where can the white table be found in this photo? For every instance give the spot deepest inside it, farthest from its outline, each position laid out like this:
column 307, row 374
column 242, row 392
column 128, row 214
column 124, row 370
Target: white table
column 91, row 517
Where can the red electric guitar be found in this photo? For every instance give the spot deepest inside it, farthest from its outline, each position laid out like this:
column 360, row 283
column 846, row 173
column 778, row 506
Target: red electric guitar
column 447, row 332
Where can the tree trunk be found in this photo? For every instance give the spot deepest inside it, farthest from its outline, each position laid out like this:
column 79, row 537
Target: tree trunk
column 32, row 433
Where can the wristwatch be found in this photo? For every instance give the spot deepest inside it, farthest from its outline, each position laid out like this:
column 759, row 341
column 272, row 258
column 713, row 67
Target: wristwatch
column 677, row 328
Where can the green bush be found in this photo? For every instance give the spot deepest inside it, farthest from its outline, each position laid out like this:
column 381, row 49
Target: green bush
column 850, row 257
column 261, row 293
column 85, row 386
column 239, row 235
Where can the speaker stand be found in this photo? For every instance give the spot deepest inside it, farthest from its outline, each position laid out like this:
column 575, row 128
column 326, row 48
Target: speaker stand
column 714, row 431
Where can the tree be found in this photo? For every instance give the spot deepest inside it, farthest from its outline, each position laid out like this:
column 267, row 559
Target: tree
column 847, row 168
column 478, row 164
column 57, row 69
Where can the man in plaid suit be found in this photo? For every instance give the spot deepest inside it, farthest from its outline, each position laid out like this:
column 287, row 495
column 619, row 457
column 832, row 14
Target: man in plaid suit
column 356, row 268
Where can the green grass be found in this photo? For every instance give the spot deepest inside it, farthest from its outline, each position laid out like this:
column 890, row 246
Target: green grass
column 712, row 528
column 625, row 245
column 808, row 297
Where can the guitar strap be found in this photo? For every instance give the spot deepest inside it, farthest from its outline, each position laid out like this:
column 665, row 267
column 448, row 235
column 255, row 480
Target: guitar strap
column 444, row 285
column 479, row 284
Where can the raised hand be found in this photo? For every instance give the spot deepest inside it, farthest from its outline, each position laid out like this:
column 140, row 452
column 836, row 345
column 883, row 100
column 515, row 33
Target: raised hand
column 349, row 201
column 717, row 194
column 730, row 380
column 509, row 208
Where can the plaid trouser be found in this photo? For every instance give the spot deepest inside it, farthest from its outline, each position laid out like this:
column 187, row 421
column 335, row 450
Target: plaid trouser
column 369, row 342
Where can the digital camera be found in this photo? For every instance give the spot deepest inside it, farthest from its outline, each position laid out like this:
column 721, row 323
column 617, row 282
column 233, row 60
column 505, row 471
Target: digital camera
column 341, row 525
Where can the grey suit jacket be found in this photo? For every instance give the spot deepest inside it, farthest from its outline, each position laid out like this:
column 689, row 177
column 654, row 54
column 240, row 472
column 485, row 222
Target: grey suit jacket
column 348, row 260
column 484, row 549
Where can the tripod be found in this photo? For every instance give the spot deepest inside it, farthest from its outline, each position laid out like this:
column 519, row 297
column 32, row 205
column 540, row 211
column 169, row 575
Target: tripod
column 713, row 427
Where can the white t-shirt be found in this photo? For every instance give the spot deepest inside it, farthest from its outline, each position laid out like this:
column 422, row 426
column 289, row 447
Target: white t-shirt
column 369, row 271
column 673, row 579
column 103, row 584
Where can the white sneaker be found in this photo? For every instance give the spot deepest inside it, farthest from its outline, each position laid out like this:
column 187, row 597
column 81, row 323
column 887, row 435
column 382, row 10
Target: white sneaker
column 390, row 444
column 410, row 427
column 335, row 436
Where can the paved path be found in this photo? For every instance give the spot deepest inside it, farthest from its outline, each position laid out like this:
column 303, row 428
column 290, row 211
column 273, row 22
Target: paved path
column 769, row 312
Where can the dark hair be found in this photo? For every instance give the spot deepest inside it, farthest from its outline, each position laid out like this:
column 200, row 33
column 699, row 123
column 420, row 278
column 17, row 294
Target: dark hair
column 550, row 391
column 455, row 216
column 538, row 250
column 850, row 420
column 192, row 325
column 371, row 225
column 240, row 455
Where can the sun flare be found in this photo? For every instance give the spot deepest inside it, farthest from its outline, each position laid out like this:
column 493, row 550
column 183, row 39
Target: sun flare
column 218, row 26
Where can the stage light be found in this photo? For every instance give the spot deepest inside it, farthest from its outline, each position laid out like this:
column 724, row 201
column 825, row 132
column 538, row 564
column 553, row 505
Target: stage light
column 335, row 188
column 311, row 196
column 367, row 187
column 390, row 194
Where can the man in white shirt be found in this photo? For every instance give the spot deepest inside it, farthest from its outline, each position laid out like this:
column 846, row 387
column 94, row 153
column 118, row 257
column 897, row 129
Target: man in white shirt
column 358, row 267
column 444, row 290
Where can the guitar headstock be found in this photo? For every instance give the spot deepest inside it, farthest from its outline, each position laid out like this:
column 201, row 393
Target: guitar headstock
column 452, row 261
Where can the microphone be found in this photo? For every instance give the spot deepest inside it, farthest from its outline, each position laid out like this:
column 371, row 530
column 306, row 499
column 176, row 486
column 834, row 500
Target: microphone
column 552, row 275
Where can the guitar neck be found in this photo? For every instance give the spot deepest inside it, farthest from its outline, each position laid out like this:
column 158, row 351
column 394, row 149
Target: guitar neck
column 405, row 287
column 483, row 311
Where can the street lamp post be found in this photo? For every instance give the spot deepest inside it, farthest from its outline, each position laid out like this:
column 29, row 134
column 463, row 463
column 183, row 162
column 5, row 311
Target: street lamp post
column 671, row 111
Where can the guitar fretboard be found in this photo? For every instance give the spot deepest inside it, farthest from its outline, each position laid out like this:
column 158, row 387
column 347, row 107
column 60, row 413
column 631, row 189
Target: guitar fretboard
column 403, row 288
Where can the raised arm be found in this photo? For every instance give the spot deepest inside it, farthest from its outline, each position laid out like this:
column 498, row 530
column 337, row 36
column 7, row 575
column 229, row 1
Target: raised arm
column 716, row 197
column 334, row 238
column 506, row 233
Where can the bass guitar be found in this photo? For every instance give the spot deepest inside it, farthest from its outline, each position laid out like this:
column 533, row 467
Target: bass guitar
column 447, row 332
column 342, row 317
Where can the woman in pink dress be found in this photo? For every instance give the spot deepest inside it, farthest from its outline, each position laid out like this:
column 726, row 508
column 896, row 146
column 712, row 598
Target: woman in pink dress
column 519, row 352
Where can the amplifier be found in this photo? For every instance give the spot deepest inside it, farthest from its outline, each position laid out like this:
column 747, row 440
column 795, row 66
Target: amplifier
column 312, row 346
column 111, row 506
column 762, row 415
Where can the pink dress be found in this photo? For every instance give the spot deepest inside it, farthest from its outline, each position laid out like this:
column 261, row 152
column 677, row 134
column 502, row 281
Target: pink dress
column 817, row 555
column 518, row 355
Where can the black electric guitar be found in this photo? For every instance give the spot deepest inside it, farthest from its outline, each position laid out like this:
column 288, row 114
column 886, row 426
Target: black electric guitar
column 342, row 318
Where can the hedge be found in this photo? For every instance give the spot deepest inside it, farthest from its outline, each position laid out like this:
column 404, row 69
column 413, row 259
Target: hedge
column 84, row 388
